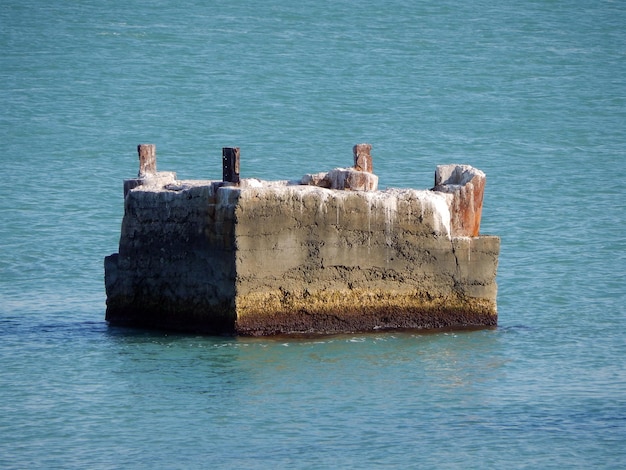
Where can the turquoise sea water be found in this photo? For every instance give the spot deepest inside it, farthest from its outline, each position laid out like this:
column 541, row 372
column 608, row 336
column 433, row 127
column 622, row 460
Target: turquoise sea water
column 531, row 92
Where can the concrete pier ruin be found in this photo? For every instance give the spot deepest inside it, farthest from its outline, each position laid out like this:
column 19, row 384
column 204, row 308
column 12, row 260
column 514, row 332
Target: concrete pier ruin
column 329, row 253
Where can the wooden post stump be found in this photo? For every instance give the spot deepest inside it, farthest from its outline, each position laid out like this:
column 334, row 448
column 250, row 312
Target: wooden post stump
column 147, row 159
column 362, row 158
column 230, row 164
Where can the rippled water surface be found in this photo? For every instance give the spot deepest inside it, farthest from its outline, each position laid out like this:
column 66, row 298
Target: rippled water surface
column 531, row 92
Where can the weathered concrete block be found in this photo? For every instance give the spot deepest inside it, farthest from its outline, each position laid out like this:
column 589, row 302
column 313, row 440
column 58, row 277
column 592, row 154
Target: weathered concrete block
column 327, row 254
column 268, row 258
column 352, row 179
column 156, row 180
column 343, row 178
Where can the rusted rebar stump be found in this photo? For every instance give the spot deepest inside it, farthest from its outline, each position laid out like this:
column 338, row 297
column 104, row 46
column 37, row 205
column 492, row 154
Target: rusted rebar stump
column 147, row 159
column 230, row 164
column 363, row 158
column 467, row 186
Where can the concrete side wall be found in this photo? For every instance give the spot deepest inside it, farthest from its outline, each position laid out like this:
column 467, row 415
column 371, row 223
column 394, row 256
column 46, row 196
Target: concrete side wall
column 311, row 259
column 175, row 268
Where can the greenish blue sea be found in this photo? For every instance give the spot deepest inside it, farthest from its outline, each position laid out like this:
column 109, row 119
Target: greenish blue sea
column 533, row 92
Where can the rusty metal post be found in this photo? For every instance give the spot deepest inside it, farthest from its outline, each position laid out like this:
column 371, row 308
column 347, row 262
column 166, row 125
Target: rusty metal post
column 147, row 159
column 362, row 158
column 230, row 164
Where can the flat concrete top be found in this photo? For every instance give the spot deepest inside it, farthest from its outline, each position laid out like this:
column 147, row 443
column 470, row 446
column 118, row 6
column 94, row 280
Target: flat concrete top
column 435, row 203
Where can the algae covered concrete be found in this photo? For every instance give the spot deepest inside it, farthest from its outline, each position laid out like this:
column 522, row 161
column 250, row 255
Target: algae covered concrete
column 261, row 258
